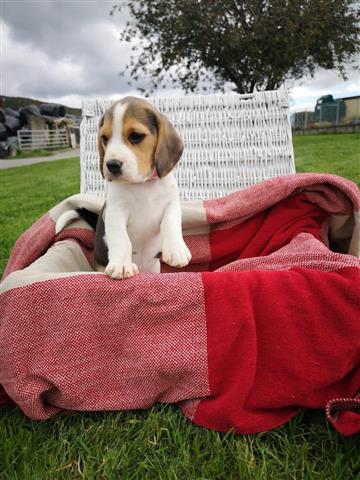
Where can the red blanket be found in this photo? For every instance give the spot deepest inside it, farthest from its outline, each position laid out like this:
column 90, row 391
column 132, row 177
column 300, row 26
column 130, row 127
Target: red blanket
column 264, row 321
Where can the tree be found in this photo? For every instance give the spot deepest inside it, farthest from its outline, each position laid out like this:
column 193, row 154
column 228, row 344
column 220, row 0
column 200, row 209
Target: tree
column 254, row 44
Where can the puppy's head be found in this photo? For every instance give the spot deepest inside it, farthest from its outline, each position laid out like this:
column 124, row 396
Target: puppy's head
column 134, row 139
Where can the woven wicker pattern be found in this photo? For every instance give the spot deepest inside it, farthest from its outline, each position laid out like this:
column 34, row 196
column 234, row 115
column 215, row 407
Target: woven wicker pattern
column 231, row 141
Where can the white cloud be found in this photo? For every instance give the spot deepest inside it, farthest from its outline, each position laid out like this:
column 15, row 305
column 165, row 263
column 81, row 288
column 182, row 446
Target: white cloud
column 58, row 49
column 304, row 93
column 30, row 71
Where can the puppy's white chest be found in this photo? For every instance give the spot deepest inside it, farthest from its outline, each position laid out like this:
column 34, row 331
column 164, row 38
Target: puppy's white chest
column 144, row 226
column 143, row 206
column 144, row 232
column 144, row 218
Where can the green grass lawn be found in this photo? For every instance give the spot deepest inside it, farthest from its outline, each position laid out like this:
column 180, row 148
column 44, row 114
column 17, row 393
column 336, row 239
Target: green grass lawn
column 26, row 193
column 339, row 154
column 160, row 443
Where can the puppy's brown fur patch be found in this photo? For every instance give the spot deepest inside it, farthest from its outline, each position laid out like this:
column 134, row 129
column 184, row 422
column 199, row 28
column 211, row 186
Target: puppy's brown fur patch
column 105, row 129
column 144, row 151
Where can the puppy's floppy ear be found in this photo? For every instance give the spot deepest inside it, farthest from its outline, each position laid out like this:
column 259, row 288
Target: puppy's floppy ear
column 100, row 145
column 169, row 146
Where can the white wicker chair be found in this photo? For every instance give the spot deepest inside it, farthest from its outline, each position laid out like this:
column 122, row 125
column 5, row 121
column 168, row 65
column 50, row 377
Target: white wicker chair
column 231, row 141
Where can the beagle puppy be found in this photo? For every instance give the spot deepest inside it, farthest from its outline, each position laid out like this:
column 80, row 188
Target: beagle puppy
column 141, row 218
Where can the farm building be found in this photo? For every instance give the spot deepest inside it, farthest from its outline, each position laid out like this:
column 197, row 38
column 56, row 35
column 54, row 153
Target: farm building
column 352, row 104
column 329, row 111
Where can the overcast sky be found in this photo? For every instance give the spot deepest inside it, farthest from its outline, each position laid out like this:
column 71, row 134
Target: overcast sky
column 67, row 51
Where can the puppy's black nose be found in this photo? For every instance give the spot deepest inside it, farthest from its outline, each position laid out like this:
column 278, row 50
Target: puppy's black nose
column 114, row 167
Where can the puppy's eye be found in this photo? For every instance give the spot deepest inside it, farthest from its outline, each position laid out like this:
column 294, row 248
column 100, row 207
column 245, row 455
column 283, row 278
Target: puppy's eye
column 104, row 140
column 135, row 137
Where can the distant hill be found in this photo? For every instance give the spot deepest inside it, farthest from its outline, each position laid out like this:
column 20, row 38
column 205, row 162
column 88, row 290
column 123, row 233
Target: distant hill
column 19, row 102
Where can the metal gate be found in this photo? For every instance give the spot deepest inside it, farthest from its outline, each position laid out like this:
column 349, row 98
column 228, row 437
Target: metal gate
column 42, row 139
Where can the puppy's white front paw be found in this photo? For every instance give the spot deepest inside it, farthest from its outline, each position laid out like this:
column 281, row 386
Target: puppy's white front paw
column 176, row 254
column 121, row 269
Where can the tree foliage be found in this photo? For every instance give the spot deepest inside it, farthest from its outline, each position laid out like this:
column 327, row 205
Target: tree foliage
column 254, row 44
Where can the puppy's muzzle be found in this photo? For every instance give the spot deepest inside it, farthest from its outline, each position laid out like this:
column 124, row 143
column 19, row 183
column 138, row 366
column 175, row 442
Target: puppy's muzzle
column 114, row 167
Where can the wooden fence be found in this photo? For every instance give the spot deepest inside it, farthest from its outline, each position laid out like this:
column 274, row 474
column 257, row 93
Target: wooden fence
column 42, row 139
